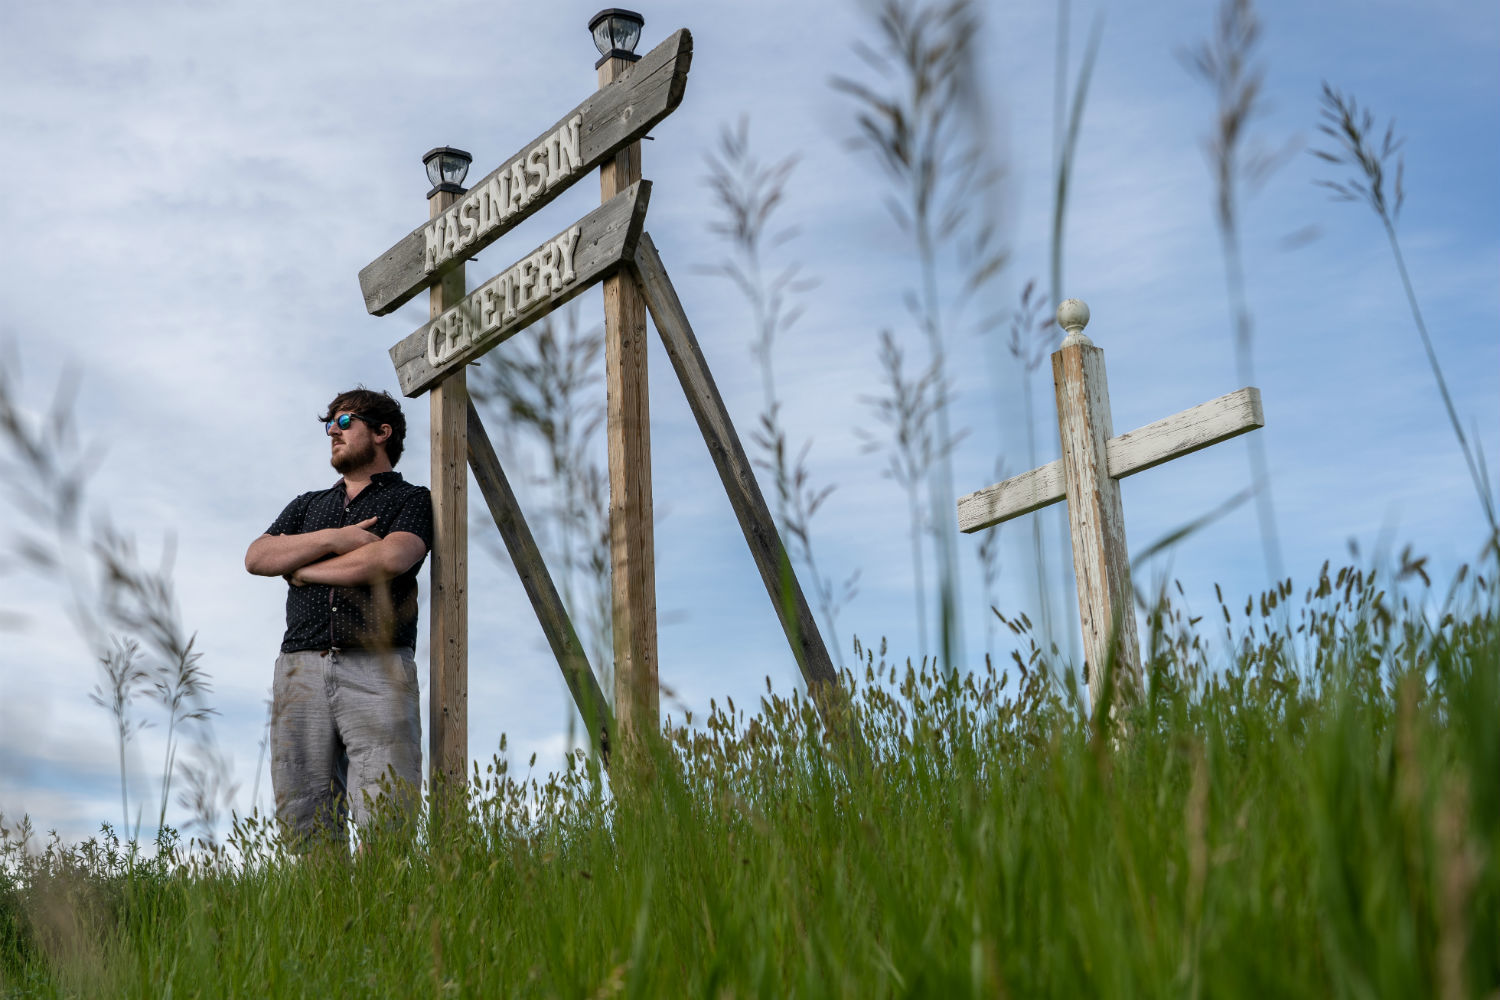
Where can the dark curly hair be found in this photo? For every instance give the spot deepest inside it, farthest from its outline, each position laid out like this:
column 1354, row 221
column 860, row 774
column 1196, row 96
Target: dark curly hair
column 375, row 409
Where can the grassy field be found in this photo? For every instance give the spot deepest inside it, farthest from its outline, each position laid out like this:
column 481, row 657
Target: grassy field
column 1305, row 803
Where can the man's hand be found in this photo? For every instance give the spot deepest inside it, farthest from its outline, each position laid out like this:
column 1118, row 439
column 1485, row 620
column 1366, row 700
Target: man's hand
column 352, row 536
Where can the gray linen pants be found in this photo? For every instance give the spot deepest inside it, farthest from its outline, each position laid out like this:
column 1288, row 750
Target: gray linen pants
column 341, row 720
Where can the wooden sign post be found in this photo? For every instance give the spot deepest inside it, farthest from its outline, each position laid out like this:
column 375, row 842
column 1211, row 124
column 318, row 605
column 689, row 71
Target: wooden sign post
column 448, row 648
column 1087, row 476
column 632, row 543
column 608, row 246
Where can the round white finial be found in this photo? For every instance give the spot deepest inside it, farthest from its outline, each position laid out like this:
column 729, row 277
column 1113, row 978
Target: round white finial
column 1073, row 316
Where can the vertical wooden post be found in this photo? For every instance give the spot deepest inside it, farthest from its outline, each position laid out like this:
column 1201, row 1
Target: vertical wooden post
column 1100, row 559
column 448, row 679
column 632, row 545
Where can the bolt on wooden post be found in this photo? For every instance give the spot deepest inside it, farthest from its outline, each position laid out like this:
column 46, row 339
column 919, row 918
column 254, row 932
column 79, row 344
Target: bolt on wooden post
column 1094, row 460
column 632, row 542
column 448, row 679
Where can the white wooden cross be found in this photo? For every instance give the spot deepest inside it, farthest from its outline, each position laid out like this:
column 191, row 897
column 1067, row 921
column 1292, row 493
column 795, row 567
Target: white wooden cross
column 1087, row 476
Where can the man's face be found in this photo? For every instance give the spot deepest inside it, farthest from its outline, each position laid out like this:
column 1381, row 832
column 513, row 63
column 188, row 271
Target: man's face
column 352, row 447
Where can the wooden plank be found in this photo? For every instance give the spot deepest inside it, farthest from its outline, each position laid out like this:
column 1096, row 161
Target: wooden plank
column 527, row 559
column 564, row 266
column 1135, row 451
column 608, row 121
column 1183, row 433
column 448, row 687
column 1015, row 496
column 1101, row 561
column 628, row 433
column 737, row 475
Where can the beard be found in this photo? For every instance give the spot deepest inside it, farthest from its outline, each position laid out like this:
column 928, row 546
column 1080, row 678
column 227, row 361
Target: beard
column 353, row 458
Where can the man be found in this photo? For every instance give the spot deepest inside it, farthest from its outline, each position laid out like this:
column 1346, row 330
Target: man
column 344, row 704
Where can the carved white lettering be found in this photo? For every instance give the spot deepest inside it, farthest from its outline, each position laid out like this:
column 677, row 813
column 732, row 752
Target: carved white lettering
column 536, row 171
column 566, row 244
column 569, row 159
column 433, row 243
column 469, row 219
column 546, row 271
column 554, row 161
column 503, row 301
column 518, row 198
column 494, row 204
column 450, row 237
column 487, row 305
column 526, row 284
column 507, row 290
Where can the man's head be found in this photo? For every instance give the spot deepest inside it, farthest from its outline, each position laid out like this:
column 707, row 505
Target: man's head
column 374, row 422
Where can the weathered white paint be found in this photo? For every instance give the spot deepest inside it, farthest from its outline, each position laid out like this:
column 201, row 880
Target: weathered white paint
column 1135, row 451
column 552, row 162
column 1096, row 520
column 1010, row 499
column 1073, row 316
column 1183, row 433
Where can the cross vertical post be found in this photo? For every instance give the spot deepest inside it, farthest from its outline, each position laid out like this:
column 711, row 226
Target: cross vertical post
column 632, row 544
column 1096, row 518
column 448, row 678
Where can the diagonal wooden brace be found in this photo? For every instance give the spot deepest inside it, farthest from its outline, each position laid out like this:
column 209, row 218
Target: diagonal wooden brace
column 737, row 475
column 582, row 683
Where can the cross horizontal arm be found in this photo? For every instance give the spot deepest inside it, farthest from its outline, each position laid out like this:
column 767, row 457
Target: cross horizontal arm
column 1016, row 496
column 1135, row 451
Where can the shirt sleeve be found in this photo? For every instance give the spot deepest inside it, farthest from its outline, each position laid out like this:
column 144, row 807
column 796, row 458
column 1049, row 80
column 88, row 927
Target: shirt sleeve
column 291, row 520
column 415, row 516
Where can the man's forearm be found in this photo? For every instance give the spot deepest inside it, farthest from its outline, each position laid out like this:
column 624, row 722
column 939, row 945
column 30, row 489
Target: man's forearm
column 369, row 564
column 279, row 555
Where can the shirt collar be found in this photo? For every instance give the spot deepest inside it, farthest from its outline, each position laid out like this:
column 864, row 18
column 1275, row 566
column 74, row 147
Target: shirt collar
column 379, row 479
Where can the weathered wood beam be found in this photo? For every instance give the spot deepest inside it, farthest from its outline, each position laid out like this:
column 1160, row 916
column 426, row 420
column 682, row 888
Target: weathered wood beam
column 1101, row 560
column 448, row 651
column 737, row 475
column 1017, row 495
column 632, row 535
column 608, row 121
column 532, row 569
column 544, row 279
column 1135, row 451
column 1183, row 433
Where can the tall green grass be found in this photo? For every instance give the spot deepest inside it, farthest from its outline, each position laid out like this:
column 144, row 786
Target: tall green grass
column 1304, row 804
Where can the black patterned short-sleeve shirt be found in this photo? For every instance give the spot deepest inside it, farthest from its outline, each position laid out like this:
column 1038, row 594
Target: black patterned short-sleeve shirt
column 319, row 616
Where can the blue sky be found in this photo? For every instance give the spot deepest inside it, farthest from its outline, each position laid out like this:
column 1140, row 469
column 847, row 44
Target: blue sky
column 192, row 190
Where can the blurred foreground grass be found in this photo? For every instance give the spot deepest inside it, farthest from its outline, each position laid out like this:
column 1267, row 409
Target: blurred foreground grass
column 1305, row 804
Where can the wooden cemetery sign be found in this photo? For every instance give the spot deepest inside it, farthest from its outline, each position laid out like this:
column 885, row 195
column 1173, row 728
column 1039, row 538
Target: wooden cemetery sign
column 585, row 137
column 608, row 246
column 1093, row 461
column 523, row 293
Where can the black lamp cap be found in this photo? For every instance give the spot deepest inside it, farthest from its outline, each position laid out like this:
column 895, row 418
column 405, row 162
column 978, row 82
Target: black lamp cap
column 445, row 186
column 624, row 54
column 450, row 150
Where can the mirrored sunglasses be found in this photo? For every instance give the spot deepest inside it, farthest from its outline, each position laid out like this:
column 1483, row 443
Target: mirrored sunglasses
column 342, row 422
